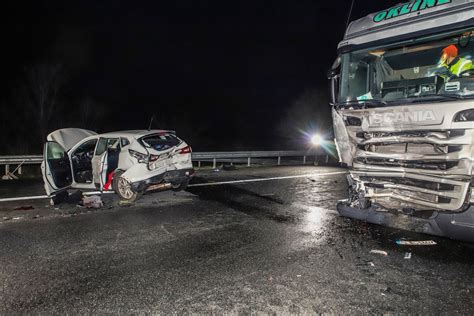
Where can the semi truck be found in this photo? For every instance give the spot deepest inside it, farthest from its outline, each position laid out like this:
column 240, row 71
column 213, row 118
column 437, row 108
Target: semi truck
column 402, row 97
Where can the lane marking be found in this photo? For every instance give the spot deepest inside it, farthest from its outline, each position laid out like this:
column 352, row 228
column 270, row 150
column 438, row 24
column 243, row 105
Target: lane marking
column 24, row 198
column 44, row 197
column 266, row 179
column 41, row 197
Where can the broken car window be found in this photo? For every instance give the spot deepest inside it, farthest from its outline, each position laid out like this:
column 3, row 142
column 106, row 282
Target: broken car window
column 160, row 141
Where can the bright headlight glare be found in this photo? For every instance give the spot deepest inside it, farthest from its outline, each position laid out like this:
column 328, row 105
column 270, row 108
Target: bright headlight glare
column 317, row 140
column 464, row 116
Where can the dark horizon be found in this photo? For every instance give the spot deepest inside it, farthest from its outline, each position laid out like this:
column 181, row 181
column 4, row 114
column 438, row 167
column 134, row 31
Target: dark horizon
column 225, row 76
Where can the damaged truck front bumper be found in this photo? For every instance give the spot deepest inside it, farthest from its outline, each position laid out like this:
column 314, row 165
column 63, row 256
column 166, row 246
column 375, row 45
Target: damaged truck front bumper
column 459, row 226
column 410, row 174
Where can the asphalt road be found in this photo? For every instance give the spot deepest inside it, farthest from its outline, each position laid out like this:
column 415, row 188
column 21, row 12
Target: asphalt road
column 266, row 246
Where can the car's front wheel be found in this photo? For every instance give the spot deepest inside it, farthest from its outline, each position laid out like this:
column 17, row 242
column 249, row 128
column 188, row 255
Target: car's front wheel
column 124, row 189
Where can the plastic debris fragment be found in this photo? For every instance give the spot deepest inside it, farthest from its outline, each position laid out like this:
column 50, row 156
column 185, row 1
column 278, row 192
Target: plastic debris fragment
column 416, row 242
column 93, row 201
column 379, row 252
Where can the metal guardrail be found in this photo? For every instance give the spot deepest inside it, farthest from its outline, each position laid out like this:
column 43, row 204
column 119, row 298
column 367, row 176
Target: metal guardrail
column 198, row 157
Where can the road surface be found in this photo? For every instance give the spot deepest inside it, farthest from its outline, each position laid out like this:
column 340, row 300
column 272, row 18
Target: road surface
column 263, row 246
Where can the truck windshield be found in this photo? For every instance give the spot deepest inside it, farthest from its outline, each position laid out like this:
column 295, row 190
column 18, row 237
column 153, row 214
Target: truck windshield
column 434, row 68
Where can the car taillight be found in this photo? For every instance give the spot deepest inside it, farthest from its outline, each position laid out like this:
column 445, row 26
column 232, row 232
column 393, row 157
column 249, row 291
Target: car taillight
column 186, row 150
column 154, row 157
column 142, row 158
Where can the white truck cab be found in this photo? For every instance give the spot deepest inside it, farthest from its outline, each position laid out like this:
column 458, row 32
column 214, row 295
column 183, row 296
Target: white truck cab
column 403, row 113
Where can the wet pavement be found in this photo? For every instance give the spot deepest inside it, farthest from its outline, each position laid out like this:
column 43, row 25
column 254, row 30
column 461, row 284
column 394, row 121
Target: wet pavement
column 270, row 246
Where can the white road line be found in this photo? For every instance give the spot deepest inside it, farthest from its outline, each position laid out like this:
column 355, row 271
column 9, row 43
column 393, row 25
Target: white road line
column 266, row 179
column 41, row 197
column 25, row 198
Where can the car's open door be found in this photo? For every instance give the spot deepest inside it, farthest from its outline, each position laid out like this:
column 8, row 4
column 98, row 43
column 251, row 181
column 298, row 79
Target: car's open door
column 56, row 168
column 100, row 162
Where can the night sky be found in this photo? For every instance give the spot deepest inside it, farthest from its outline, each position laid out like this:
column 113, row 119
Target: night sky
column 225, row 74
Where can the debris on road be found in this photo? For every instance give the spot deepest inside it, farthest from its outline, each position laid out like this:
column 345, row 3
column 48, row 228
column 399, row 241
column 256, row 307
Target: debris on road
column 24, row 208
column 65, row 197
column 386, row 291
column 407, row 256
column 216, row 170
column 6, row 218
column 126, row 203
column 371, row 264
column 416, row 242
column 379, row 252
column 17, row 218
column 93, row 201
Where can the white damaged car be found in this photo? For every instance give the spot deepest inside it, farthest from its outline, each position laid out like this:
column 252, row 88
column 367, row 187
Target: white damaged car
column 128, row 162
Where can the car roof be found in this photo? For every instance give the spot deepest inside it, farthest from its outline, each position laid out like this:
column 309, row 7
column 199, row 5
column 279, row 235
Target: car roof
column 134, row 133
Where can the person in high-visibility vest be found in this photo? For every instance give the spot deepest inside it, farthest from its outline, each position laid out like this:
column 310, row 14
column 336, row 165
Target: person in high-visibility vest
column 455, row 65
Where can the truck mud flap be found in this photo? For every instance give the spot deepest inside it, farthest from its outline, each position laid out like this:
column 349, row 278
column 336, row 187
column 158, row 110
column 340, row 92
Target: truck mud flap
column 458, row 226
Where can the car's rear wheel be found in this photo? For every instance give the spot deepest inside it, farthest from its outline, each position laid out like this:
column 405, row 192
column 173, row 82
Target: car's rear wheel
column 123, row 188
column 180, row 186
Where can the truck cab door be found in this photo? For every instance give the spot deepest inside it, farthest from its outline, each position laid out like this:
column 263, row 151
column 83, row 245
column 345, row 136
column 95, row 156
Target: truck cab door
column 56, row 168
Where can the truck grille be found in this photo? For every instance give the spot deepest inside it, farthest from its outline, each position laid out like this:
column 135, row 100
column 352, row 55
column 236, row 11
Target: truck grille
column 419, row 170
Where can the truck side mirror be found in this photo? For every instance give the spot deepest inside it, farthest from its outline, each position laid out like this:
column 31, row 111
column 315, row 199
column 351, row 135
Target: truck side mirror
column 334, row 88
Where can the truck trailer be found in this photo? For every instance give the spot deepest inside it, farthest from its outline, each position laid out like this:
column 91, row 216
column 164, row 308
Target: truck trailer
column 402, row 96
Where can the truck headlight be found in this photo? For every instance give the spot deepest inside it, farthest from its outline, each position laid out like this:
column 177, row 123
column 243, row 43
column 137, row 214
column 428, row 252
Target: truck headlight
column 464, row 116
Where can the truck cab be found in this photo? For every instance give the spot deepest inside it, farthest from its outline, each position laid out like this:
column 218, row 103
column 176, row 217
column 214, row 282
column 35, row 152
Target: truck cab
column 403, row 117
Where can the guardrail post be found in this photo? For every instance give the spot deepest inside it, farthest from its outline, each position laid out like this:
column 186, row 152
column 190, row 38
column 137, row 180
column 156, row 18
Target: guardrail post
column 327, row 159
column 248, row 162
column 304, row 160
column 19, row 170
column 199, row 164
column 279, row 160
column 7, row 170
column 214, row 163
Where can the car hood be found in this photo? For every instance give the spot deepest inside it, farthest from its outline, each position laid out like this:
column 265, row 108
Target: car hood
column 68, row 137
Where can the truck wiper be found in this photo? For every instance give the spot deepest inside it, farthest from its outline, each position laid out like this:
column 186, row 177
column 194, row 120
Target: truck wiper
column 362, row 103
column 431, row 98
column 456, row 96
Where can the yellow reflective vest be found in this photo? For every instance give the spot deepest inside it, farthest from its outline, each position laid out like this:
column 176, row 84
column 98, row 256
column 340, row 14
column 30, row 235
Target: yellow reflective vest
column 459, row 65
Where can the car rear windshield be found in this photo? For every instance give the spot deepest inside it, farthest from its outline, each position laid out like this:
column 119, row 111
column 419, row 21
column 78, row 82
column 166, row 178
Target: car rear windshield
column 160, row 141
